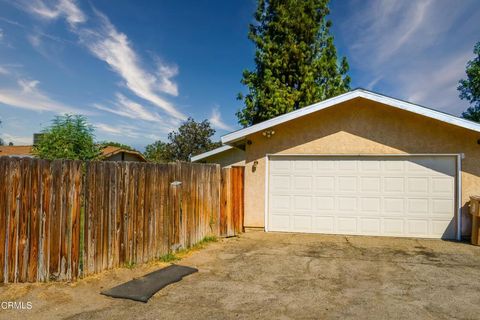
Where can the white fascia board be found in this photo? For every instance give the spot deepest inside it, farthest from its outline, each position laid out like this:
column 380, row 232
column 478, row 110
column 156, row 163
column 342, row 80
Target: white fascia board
column 210, row 153
column 358, row 93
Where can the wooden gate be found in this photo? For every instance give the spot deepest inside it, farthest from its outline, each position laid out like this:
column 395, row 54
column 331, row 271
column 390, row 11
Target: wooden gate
column 231, row 201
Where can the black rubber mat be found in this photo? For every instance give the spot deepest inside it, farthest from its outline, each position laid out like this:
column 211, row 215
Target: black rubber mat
column 144, row 288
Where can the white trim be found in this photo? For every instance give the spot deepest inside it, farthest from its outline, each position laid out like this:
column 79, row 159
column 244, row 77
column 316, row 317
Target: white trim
column 458, row 179
column 357, row 93
column 210, row 153
column 459, row 196
column 363, row 154
column 267, row 172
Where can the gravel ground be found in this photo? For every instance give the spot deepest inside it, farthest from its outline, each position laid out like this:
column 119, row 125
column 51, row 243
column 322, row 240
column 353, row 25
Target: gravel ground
column 284, row 276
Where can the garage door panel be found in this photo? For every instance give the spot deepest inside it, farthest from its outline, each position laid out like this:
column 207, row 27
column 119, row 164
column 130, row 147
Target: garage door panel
column 417, row 184
column 393, row 227
column 324, row 166
column 280, row 222
column 347, row 165
column 347, row 184
column 302, row 203
column 302, row 166
column 418, row 206
column 370, row 166
column 393, row 167
column 347, row 225
column 370, row 205
column 280, row 202
column 443, row 228
column 302, row 183
column 393, row 184
column 280, row 183
column 370, row 184
column 370, row 225
column 394, row 206
column 302, row 223
column 323, row 204
column 325, row 184
column 280, row 166
column 325, row 224
column 442, row 185
column 417, row 227
column 442, row 206
column 396, row 196
column 347, row 204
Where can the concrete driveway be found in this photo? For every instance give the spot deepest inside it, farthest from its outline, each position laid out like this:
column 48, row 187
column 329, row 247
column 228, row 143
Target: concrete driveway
column 296, row 276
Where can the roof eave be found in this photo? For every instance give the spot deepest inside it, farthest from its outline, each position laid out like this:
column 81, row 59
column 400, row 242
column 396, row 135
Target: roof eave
column 233, row 137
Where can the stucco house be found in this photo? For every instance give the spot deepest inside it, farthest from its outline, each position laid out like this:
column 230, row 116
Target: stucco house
column 226, row 156
column 360, row 163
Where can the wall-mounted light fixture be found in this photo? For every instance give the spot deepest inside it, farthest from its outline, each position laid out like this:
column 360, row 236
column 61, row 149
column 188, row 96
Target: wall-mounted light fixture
column 254, row 166
column 268, row 133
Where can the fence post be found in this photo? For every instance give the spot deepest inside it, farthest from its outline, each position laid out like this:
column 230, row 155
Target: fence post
column 177, row 218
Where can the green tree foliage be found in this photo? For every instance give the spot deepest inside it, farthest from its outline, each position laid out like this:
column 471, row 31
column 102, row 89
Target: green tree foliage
column 105, row 144
column 296, row 60
column 69, row 137
column 191, row 138
column 470, row 88
column 156, row 152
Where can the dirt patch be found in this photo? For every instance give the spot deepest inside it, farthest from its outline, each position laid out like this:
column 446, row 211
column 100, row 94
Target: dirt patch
column 288, row 276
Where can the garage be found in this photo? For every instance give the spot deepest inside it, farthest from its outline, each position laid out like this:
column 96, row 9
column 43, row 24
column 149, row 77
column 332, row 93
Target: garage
column 405, row 196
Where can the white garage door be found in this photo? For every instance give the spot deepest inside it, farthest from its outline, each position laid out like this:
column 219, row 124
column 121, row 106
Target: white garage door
column 410, row 196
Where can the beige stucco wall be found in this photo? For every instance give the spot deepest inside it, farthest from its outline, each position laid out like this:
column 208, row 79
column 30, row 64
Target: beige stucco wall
column 356, row 127
column 228, row 158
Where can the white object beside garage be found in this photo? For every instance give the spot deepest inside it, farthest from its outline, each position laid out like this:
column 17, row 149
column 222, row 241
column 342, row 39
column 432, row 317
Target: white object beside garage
column 406, row 196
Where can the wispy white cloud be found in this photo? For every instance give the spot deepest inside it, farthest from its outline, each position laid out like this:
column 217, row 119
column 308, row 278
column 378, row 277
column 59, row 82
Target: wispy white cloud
column 216, row 120
column 108, row 44
column 34, row 40
column 122, row 130
column 114, row 47
column 130, row 109
column 1, row 34
column 27, row 96
column 62, row 8
column 411, row 49
column 4, row 71
column 165, row 73
column 17, row 140
column 109, row 129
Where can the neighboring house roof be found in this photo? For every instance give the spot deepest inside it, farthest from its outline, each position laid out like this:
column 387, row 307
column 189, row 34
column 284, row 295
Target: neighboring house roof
column 16, row 151
column 238, row 135
column 26, row 151
column 110, row 151
column 210, row 153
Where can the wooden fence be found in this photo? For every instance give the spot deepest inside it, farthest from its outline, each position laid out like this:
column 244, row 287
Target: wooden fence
column 63, row 219
column 40, row 203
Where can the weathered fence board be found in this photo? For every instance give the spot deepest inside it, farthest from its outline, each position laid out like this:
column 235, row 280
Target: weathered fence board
column 60, row 220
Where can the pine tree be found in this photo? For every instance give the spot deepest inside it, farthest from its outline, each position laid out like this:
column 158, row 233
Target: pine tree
column 470, row 88
column 296, row 60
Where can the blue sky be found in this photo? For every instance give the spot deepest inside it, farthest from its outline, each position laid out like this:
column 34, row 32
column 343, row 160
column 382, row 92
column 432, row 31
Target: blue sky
column 138, row 68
